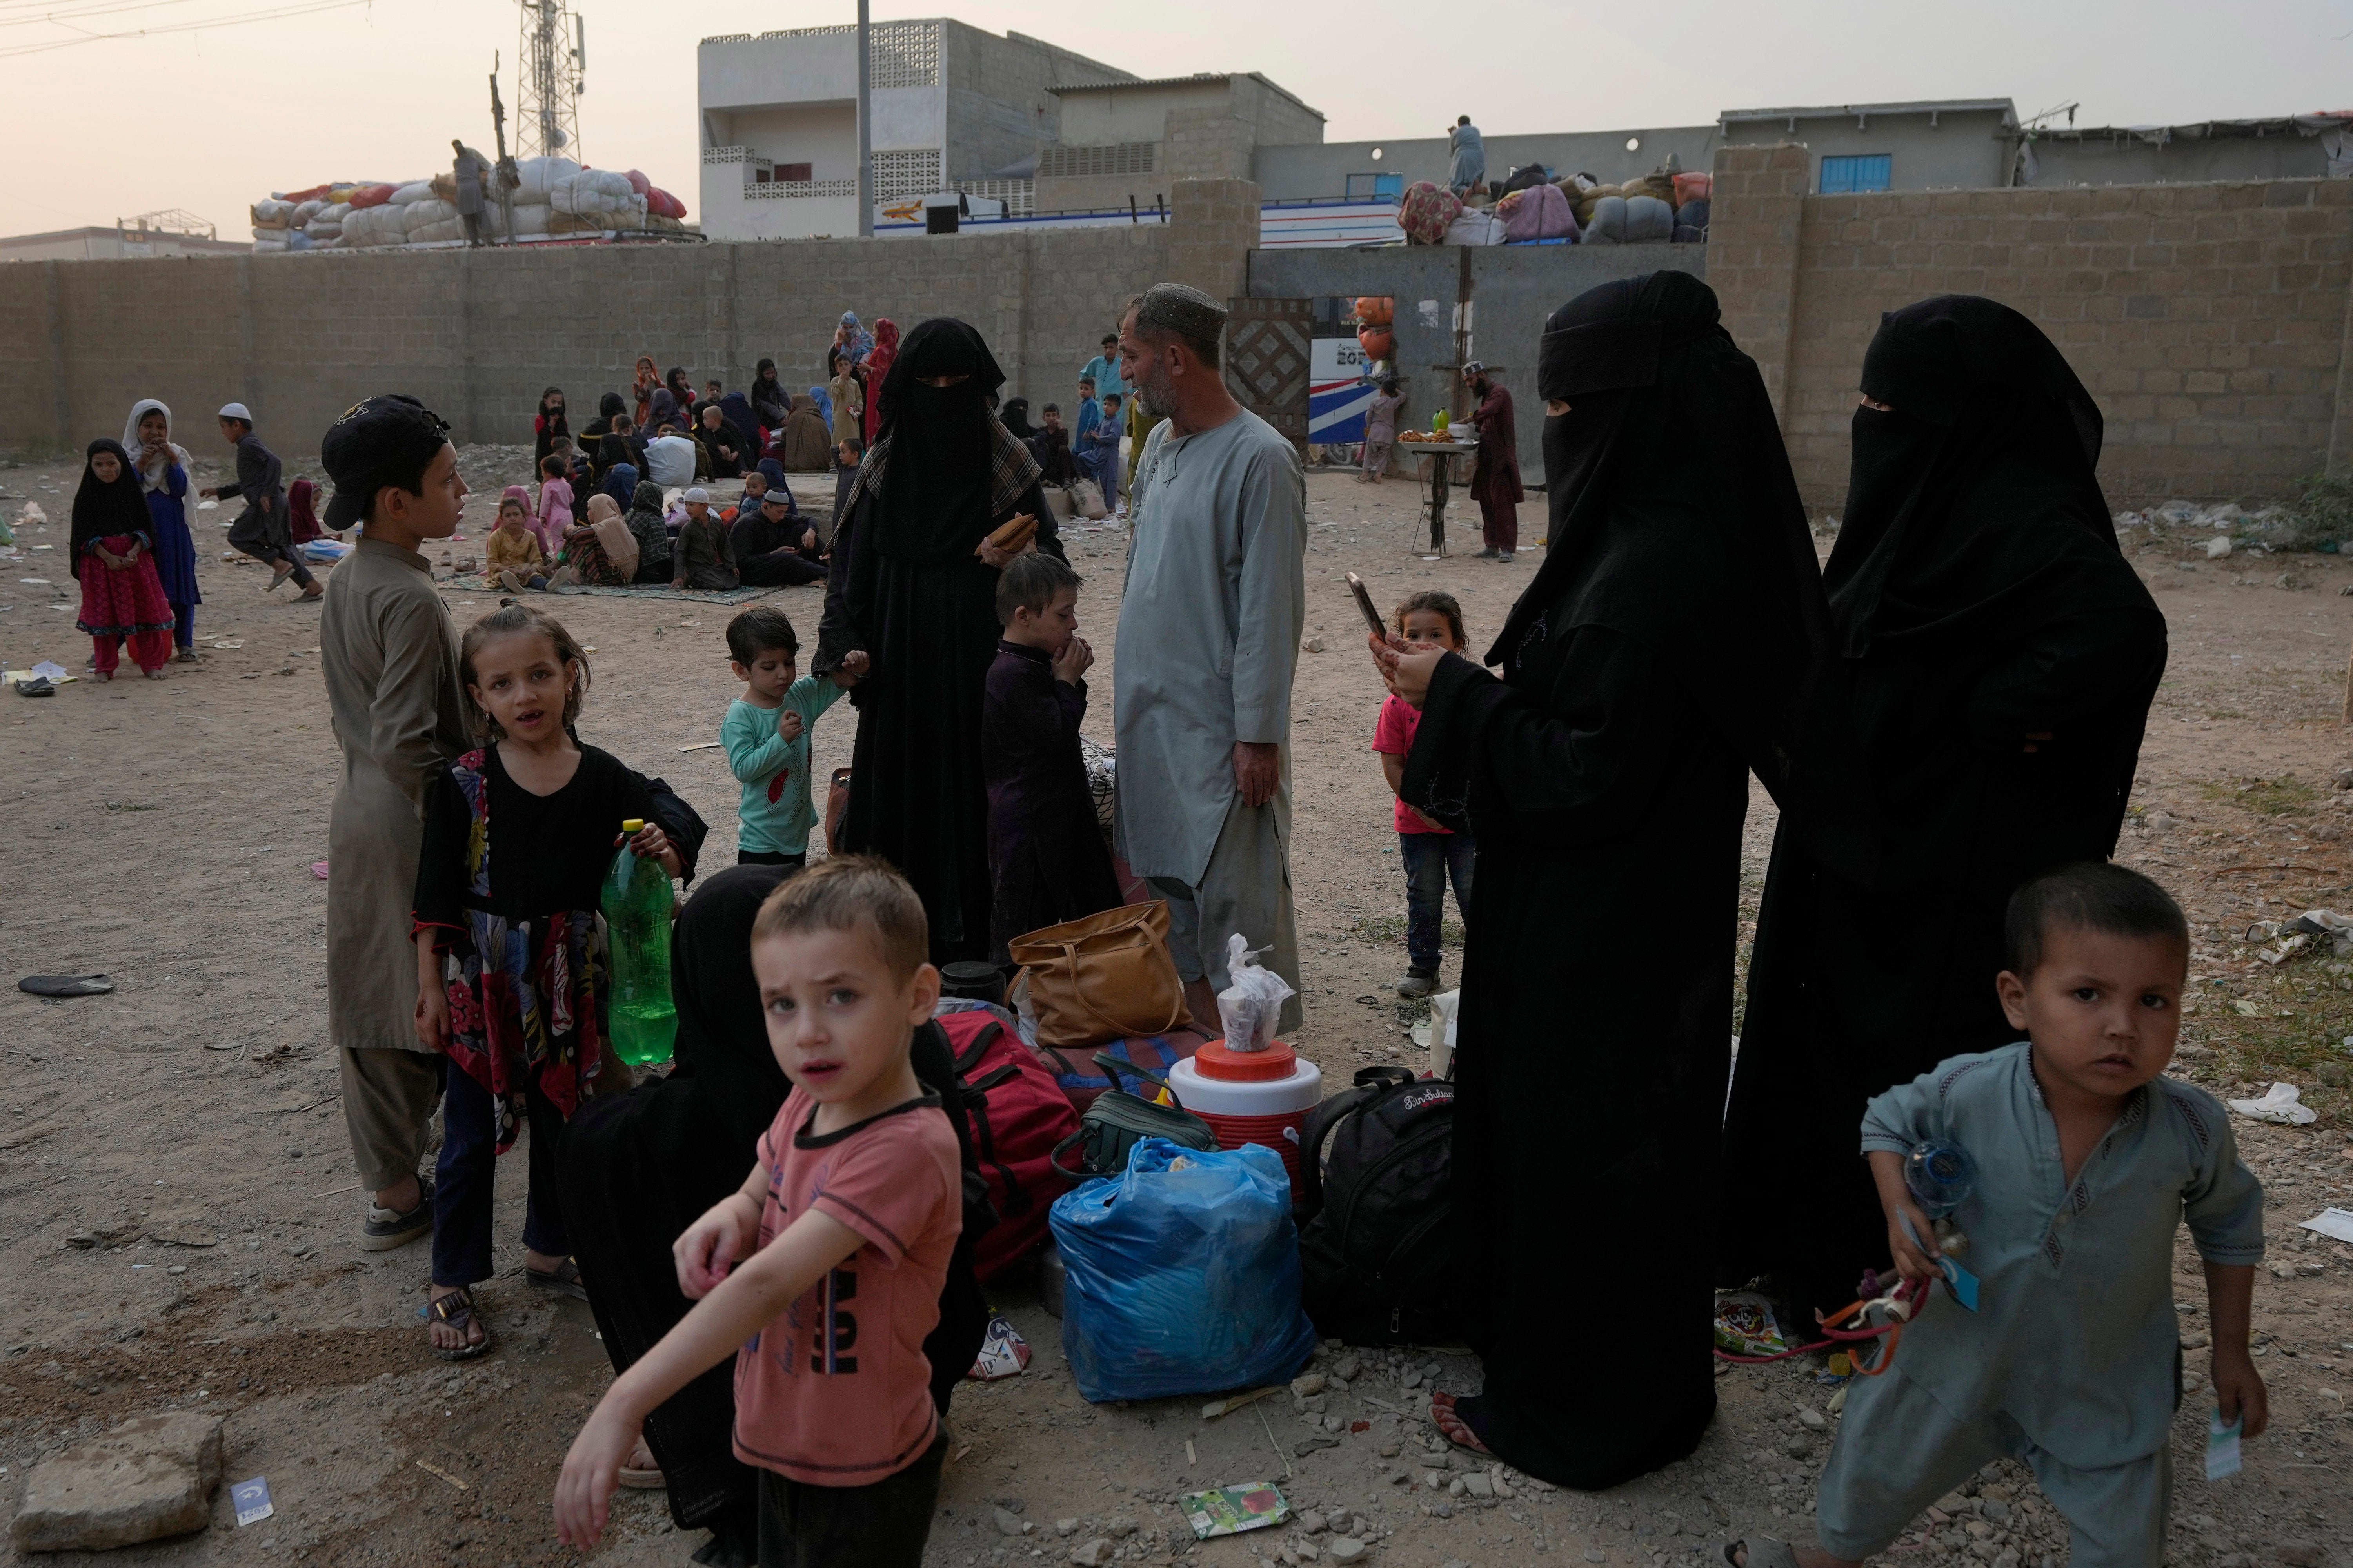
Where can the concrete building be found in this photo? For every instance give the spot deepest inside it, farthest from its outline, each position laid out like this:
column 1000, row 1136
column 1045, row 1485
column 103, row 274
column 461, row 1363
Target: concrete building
column 116, row 243
column 1127, row 140
column 952, row 106
column 2295, row 147
column 1945, row 144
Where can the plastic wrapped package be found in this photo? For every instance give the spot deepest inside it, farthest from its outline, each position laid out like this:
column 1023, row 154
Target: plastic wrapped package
column 1647, row 219
column 370, row 197
column 1693, row 188
column 268, row 242
column 1608, row 223
column 304, row 212
column 438, row 233
column 1251, row 1004
column 660, row 203
column 415, row 216
column 413, row 191
column 1181, row 1275
column 272, row 213
column 538, row 176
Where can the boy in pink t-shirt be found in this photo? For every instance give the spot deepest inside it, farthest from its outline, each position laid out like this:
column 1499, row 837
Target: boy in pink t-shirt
column 845, row 1227
column 1432, row 853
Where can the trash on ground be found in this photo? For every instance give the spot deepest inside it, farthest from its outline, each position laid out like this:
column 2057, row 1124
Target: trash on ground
column 1744, row 1325
column 2333, row 1223
column 2282, row 1103
column 32, row 684
column 65, row 985
column 1229, row 1511
column 1233, row 1401
column 1003, row 1353
column 252, row 1500
column 319, row 869
column 229, row 642
column 208, row 506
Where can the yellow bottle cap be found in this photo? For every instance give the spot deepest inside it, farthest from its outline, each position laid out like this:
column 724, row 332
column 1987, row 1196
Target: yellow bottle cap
column 633, row 825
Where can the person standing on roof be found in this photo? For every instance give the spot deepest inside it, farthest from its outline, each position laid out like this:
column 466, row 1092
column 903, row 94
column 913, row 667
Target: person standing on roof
column 469, row 169
column 1467, row 170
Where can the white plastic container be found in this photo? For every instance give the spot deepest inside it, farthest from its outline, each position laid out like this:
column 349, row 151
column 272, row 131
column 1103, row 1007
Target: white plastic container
column 1255, row 1097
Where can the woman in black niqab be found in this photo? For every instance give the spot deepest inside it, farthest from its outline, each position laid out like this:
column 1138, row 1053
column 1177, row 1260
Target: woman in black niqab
column 1663, row 650
column 642, row 1166
column 1014, row 418
column 907, row 588
column 1982, row 721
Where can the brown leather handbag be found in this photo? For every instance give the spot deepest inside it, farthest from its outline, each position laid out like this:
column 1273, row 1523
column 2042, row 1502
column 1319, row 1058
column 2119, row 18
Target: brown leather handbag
column 1104, row 977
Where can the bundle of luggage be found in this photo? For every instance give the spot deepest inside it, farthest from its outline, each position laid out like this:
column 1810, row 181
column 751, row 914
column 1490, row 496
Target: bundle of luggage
column 553, row 195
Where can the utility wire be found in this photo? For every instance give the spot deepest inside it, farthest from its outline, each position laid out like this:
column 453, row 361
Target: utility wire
column 277, row 13
column 62, row 18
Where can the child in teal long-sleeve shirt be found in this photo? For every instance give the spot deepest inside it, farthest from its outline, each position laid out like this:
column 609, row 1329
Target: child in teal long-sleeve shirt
column 766, row 734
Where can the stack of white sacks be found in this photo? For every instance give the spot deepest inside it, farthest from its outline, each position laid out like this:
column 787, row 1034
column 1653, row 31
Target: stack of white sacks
column 557, row 196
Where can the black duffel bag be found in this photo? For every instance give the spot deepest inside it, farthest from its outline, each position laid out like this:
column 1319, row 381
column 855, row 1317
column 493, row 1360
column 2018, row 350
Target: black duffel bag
column 1375, row 1249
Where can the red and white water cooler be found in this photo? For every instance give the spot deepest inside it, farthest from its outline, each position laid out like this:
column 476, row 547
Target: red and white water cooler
column 1251, row 1097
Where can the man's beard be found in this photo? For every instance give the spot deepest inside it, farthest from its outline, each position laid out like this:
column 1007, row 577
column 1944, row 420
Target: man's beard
column 1481, row 386
column 1155, row 394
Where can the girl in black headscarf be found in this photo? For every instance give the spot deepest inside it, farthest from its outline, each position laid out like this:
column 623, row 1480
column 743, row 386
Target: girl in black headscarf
column 647, row 527
column 913, row 584
column 770, row 401
column 1996, row 657
column 1660, row 653
column 548, row 423
column 682, row 393
column 111, row 552
column 641, row 1167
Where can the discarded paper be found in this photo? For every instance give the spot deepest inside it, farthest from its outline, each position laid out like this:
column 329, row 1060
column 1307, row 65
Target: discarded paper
column 2282, row 1104
column 1229, row 1511
column 252, row 1501
column 2333, row 1223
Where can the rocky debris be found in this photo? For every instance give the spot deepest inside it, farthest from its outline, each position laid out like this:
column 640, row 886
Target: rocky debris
column 1095, row 1553
column 1011, row 1523
column 1345, row 1548
column 1307, row 1385
column 1808, row 1416
column 151, row 1477
column 1306, row 1445
column 1479, row 1484
column 1349, row 1368
column 1066, row 1527
column 2300, row 1554
column 1311, row 1522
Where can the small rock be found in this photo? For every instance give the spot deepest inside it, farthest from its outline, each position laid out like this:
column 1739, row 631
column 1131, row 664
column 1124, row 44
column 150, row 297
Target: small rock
column 1312, row 645
column 82, row 1239
column 1480, row 1484
column 1412, row 1379
column 1066, row 1527
column 1307, row 1385
column 1390, row 1450
column 1595, row 1555
column 2345, row 778
column 1121, row 1528
column 1335, row 1423
column 1797, row 1449
column 2300, row 1554
column 151, row 1477
column 1808, row 1416
column 1011, row 1524
column 1312, row 1523
column 1306, row 1445
column 1351, row 1368
column 1434, row 1479
column 1347, row 1549
column 1095, row 1553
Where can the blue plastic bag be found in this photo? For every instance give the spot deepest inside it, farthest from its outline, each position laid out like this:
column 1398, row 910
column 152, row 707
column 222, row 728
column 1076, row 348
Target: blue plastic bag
column 1181, row 1281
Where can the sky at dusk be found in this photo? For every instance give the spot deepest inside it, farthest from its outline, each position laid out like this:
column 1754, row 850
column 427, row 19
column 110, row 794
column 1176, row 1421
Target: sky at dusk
column 211, row 118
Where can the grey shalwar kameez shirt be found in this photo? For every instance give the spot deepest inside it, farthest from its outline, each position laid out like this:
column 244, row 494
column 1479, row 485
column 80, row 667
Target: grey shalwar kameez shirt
column 390, row 658
column 1209, row 643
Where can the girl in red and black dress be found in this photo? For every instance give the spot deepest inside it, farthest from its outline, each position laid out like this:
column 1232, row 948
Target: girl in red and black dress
column 113, row 556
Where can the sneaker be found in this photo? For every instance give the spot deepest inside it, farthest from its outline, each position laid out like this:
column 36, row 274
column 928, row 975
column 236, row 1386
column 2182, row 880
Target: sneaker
column 388, row 1228
column 1417, row 982
column 1503, row 554
column 1487, row 554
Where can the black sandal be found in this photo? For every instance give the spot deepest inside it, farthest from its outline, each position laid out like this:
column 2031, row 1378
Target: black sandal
column 457, row 1309
column 563, row 1280
column 1769, row 1554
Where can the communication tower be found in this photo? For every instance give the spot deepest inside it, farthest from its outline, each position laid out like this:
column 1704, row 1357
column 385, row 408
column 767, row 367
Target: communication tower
column 551, row 66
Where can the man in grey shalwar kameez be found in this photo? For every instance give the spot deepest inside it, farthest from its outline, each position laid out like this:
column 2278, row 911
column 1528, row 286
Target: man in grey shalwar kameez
column 1467, row 169
column 468, row 172
column 1210, row 625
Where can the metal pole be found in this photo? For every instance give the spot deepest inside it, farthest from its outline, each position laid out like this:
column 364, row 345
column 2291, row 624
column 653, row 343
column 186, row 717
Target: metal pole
column 865, row 129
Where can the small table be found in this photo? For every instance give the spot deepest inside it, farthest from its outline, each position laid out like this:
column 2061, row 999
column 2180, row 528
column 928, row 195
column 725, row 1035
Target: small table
column 1439, row 479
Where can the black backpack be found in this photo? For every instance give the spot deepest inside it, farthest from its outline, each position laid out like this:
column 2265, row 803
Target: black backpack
column 1376, row 1251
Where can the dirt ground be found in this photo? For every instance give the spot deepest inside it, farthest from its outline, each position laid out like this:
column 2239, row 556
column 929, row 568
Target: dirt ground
column 178, row 1215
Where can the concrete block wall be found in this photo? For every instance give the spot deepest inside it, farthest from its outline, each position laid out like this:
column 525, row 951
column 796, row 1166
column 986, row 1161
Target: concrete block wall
column 2211, row 321
column 477, row 334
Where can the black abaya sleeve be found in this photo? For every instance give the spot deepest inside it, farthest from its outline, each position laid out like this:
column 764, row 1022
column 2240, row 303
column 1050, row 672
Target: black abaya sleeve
column 840, row 630
column 2084, row 670
column 1049, row 533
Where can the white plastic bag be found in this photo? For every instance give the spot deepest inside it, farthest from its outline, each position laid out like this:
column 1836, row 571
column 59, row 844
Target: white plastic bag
column 1251, row 1006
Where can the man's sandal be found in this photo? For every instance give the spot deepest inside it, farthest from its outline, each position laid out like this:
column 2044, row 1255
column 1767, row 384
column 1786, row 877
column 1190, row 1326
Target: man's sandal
column 563, row 1280
column 1768, row 1553
column 456, row 1311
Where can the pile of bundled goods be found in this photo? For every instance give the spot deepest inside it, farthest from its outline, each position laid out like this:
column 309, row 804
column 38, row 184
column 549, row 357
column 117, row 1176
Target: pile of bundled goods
column 1375, row 334
column 552, row 197
column 1665, row 205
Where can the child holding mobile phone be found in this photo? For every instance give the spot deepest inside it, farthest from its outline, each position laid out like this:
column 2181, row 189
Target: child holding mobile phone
column 1432, row 853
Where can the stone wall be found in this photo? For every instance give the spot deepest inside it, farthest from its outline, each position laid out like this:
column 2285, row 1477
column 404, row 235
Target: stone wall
column 477, row 335
column 2210, row 320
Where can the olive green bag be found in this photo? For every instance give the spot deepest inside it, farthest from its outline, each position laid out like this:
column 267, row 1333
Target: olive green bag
column 1118, row 1120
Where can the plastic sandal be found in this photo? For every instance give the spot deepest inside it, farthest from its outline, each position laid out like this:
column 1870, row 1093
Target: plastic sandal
column 457, row 1309
column 563, row 1280
column 1768, row 1553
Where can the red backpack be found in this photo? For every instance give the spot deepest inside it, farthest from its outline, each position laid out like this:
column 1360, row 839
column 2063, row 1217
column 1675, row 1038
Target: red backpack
column 1015, row 1113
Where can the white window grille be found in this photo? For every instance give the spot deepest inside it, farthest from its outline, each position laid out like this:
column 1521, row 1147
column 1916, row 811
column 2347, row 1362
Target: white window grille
column 727, row 154
column 907, row 54
column 911, row 173
column 1079, row 163
column 785, row 190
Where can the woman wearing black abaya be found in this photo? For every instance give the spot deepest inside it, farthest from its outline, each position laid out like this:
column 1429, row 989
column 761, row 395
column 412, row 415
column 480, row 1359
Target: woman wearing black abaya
column 909, row 588
column 645, row 1165
column 1998, row 656
column 1661, row 652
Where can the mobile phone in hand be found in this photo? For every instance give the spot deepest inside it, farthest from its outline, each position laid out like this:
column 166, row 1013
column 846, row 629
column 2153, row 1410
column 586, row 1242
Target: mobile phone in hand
column 1364, row 603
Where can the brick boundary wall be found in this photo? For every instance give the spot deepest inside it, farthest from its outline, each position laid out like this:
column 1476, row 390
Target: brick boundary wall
column 2211, row 322
column 477, row 335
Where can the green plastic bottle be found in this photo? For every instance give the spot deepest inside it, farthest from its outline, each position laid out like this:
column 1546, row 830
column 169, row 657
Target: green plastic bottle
column 1441, row 422
column 637, row 906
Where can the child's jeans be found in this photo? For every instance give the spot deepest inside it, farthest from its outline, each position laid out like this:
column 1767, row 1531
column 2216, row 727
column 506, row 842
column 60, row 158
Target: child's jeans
column 462, row 1180
column 1898, row 1451
column 1429, row 859
column 882, row 1524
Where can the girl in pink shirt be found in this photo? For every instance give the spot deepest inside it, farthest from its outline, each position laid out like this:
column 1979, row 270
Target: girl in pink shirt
column 554, row 504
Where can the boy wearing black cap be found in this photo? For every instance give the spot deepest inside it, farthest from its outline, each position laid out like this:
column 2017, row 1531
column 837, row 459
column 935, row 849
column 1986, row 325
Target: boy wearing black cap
column 263, row 529
column 390, row 659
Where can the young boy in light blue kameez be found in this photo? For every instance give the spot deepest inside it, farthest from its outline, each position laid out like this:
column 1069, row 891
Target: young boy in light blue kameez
column 2087, row 1160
